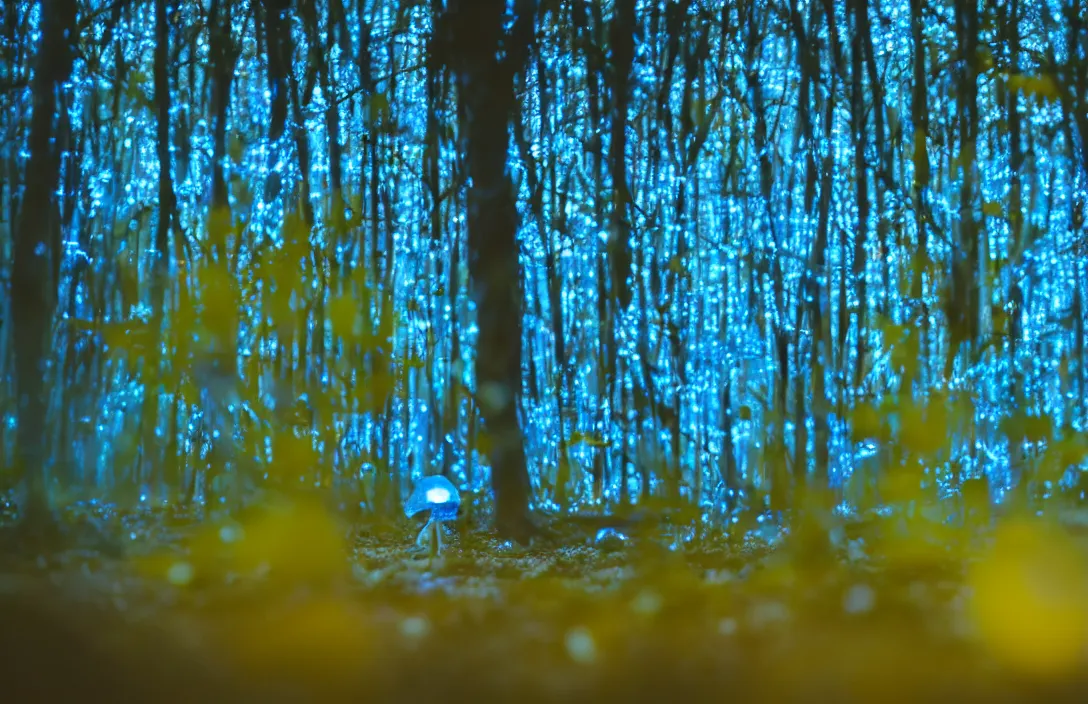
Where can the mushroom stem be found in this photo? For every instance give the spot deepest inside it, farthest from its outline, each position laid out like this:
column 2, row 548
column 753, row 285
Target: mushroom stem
column 419, row 538
column 435, row 537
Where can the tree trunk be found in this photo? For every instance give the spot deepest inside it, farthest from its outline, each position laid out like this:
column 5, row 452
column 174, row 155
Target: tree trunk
column 153, row 459
column 920, row 186
column 485, row 87
column 33, row 285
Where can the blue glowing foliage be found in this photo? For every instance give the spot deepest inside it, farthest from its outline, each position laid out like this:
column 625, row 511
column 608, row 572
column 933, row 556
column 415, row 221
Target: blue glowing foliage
column 807, row 245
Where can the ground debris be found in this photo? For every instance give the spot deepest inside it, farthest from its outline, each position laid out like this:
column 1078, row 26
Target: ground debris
column 547, row 623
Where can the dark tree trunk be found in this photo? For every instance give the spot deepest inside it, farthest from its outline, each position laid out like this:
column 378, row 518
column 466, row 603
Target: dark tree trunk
column 808, row 59
column 623, row 54
column 278, row 47
column 318, row 61
column 754, row 28
column 963, row 298
column 920, row 158
column 33, row 284
column 882, row 178
column 167, row 205
column 1010, row 24
column 485, row 88
column 860, row 128
column 447, row 427
column 224, row 55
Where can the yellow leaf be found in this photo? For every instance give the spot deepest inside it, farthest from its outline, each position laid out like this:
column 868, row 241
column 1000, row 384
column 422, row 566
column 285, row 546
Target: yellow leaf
column 483, row 443
column 378, row 106
column 380, row 339
column 1038, row 428
column 1000, row 318
column 592, row 440
column 901, row 484
column 965, row 158
column 343, row 315
column 962, row 419
column 1042, row 88
column 219, row 226
column 296, row 237
column 354, row 210
column 922, row 263
column 278, row 308
column 219, row 296
column 373, row 390
column 1021, row 427
column 285, row 273
column 130, row 335
column 134, row 87
column 924, row 430
column 985, row 59
column 188, row 392
column 1028, row 604
column 1051, row 468
column 865, row 423
column 292, row 540
column 1073, row 450
column 905, row 354
column 293, row 457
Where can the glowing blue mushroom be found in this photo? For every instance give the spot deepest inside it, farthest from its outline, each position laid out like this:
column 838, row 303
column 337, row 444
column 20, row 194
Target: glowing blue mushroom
column 437, row 495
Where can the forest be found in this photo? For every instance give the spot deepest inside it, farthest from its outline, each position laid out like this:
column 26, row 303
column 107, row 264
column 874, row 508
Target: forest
column 718, row 342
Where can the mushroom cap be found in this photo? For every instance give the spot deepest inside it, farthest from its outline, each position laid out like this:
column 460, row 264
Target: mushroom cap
column 436, row 494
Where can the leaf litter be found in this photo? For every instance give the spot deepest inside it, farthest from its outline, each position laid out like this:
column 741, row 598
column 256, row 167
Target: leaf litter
column 292, row 603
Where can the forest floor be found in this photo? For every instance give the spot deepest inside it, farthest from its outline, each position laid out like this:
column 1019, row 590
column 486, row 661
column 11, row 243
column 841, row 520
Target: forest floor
column 269, row 610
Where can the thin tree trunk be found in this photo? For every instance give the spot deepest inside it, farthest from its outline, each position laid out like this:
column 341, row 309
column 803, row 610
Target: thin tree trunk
column 166, row 479
column 859, row 129
column 920, row 119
